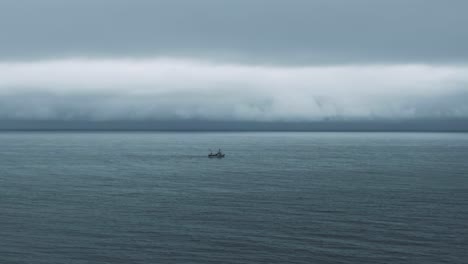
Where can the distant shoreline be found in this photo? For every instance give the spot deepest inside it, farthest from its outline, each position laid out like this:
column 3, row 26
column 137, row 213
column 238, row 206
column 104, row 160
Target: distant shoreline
column 193, row 125
column 229, row 131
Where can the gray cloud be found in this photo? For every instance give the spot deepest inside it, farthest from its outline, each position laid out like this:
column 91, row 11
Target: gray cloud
column 235, row 61
column 93, row 89
column 255, row 31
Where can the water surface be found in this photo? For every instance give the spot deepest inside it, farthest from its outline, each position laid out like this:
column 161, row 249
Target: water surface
column 276, row 198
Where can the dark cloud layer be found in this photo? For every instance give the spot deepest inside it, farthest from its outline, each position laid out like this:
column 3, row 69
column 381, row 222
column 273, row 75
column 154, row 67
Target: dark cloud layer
column 259, row 31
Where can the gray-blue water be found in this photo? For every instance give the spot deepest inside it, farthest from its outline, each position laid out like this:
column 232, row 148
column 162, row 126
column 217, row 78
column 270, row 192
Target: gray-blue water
column 275, row 198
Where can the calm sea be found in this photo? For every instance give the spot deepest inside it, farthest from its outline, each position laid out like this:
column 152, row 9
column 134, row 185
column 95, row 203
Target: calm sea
column 276, row 198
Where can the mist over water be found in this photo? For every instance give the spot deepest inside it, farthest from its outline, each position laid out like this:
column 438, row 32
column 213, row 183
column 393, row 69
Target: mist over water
column 275, row 198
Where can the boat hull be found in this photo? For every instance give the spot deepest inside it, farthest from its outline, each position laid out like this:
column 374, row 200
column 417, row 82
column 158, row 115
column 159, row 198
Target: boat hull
column 216, row 156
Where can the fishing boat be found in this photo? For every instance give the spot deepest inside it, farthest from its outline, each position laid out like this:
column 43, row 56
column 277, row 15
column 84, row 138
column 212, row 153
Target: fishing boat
column 218, row 154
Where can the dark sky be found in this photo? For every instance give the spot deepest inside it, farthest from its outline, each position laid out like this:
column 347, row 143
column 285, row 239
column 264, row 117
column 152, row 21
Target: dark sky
column 260, row 31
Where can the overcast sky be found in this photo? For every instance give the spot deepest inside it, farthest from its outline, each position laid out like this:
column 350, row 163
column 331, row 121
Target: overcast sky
column 251, row 60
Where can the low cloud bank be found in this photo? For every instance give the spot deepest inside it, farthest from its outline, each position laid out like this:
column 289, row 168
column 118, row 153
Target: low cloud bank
column 167, row 89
